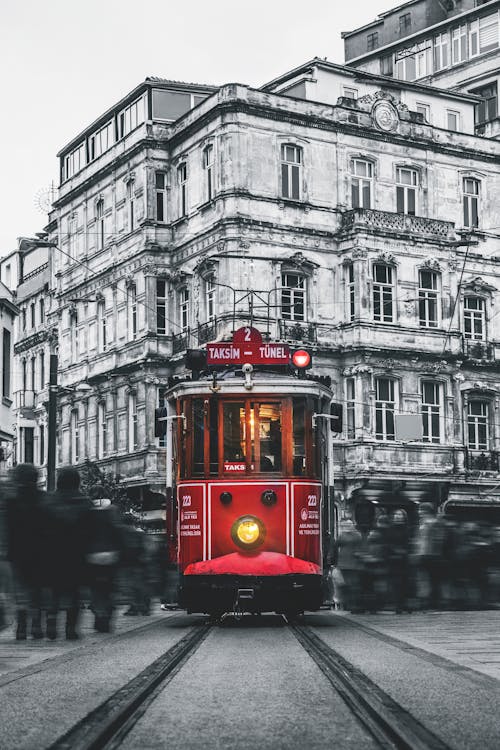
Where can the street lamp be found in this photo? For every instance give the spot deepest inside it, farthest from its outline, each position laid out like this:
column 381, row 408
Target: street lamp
column 52, row 418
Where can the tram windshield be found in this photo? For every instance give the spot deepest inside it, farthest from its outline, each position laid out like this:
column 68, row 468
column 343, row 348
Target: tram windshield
column 249, row 436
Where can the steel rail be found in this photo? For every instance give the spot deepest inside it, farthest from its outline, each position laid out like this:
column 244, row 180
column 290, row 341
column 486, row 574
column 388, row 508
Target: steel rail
column 101, row 726
column 389, row 723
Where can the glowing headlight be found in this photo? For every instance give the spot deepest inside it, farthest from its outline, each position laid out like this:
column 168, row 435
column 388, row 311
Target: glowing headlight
column 248, row 532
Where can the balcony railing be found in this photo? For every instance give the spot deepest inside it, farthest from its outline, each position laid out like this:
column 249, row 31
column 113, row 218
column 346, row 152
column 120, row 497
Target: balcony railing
column 395, row 223
column 479, row 349
column 303, row 332
column 207, row 331
column 482, row 460
column 180, row 341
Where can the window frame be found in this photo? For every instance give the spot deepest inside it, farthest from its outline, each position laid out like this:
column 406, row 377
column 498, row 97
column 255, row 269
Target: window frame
column 161, row 197
column 429, row 411
column 429, row 298
column 403, row 190
column 182, row 183
column 293, row 297
column 362, row 184
column 291, row 171
column 474, row 315
column 471, row 202
column 380, row 291
column 385, row 408
column 208, row 156
column 161, row 305
column 475, row 421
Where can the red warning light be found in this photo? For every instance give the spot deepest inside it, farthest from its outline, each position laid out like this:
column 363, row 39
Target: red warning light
column 301, row 358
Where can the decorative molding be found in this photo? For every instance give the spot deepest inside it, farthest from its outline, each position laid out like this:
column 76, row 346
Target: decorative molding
column 385, row 257
column 299, row 262
column 479, row 285
column 432, row 264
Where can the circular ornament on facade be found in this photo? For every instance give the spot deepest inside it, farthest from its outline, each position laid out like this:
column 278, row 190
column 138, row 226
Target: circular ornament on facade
column 385, row 116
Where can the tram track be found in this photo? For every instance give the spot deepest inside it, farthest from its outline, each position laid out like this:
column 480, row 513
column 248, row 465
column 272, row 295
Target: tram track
column 386, row 721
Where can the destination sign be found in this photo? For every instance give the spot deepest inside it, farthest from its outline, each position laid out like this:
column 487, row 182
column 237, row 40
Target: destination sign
column 254, row 353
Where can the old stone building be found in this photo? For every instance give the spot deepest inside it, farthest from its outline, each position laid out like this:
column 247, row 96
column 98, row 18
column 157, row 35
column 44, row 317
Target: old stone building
column 453, row 45
column 338, row 219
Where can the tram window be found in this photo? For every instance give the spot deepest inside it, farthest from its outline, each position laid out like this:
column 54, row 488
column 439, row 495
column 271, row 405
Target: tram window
column 270, row 437
column 198, row 432
column 214, row 438
column 234, row 431
column 299, row 437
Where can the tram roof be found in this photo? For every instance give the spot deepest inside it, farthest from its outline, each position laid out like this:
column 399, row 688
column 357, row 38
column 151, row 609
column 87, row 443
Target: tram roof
column 232, row 383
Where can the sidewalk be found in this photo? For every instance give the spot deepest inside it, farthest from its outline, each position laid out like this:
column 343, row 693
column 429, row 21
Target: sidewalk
column 467, row 639
column 15, row 655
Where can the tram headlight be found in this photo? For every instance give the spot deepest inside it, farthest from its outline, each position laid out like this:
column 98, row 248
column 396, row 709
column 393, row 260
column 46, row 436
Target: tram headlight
column 248, row 532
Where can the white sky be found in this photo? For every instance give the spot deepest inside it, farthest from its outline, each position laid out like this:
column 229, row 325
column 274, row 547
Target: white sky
column 63, row 62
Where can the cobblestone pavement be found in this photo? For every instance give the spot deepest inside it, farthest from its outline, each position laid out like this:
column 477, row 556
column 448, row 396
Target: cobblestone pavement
column 468, row 639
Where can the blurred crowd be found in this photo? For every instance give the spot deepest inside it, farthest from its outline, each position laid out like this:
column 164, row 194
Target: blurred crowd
column 63, row 551
column 441, row 564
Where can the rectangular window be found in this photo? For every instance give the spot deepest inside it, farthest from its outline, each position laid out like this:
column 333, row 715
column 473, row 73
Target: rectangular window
column 42, row 311
column 452, row 119
column 478, row 425
column 406, row 190
column 42, row 370
column 428, row 299
column 41, row 433
column 385, row 405
column 133, row 441
column 441, row 56
column 293, row 297
column 74, row 162
column 132, row 312
column 29, row 445
column 208, row 166
column 361, row 183
column 33, row 374
column 6, row 363
column 101, row 434
column 371, row 41
column 131, row 206
column 99, row 213
column 184, row 309
column 488, row 108
column 23, row 318
column 182, row 176
column 75, row 437
column 349, row 93
column 405, row 23
column 210, row 297
column 291, row 161
column 474, row 39
column 424, row 110
column 431, row 411
column 488, row 33
column 459, row 45
column 162, row 403
column 101, row 141
column 471, row 188
column 351, row 290
column 33, row 315
column 383, row 293
column 131, row 117
column 350, row 390
column 474, row 319
column 161, row 306
column 24, row 375
column 161, row 196
column 102, row 323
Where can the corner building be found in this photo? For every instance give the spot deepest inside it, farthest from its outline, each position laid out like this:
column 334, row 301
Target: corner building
column 346, row 224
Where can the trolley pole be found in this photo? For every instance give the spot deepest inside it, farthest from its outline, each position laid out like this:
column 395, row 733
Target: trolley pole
column 52, row 424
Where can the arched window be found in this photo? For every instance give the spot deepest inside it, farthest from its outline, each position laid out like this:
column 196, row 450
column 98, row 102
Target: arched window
column 99, row 213
column 291, row 166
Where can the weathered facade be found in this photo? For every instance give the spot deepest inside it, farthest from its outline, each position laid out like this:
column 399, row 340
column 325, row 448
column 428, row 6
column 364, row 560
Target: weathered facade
column 348, row 224
column 452, row 45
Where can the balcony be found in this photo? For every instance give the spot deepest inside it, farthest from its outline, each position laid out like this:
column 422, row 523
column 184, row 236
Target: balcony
column 180, row 341
column 207, row 331
column 388, row 222
column 305, row 333
column 482, row 460
column 478, row 349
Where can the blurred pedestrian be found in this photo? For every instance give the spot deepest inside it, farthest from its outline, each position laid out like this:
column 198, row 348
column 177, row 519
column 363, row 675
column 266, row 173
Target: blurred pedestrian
column 429, row 552
column 378, row 561
column 399, row 560
column 347, row 549
column 67, row 510
column 104, row 548
column 24, row 537
column 137, row 568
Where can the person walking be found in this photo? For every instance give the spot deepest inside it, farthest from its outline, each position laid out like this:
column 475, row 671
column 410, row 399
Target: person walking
column 399, row 560
column 347, row 559
column 429, row 550
column 104, row 548
column 67, row 541
column 24, row 540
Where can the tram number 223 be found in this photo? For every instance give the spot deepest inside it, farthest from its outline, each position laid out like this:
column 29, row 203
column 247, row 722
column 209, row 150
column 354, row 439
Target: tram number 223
column 312, row 501
column 186, row 501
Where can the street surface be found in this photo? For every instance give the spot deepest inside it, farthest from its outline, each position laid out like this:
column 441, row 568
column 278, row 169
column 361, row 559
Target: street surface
column 251, row 684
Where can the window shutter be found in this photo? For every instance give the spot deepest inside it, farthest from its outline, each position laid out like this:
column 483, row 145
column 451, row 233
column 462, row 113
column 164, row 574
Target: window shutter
column 488, row 32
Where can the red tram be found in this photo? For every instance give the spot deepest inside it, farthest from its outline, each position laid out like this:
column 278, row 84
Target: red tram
column 252, row 474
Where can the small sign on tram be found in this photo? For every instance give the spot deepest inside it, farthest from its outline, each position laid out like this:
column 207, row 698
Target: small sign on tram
column 247, row 347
